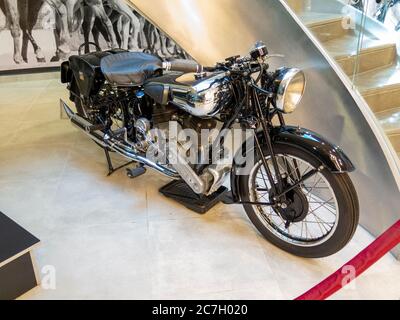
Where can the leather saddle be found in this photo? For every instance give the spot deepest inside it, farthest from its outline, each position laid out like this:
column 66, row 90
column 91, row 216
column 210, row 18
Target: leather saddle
column 130, row 68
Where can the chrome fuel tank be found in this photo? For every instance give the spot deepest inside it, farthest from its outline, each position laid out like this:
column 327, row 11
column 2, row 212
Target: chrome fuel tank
column 201, row 96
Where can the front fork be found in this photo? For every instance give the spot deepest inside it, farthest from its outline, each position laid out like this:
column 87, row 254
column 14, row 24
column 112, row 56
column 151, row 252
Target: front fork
column 276, row 188
column 281, row 187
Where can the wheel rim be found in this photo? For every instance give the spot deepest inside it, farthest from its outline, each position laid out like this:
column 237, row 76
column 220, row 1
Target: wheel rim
column 322, row 218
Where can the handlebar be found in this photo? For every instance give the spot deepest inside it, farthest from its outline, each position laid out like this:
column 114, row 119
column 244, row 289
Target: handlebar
column 182, row 66
column 190, row 66
column 259, row 51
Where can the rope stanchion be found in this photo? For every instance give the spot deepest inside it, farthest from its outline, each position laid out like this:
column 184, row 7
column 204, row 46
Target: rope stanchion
column 361, row 262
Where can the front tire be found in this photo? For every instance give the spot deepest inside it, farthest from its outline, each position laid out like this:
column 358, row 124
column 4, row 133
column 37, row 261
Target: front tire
column 315, row 205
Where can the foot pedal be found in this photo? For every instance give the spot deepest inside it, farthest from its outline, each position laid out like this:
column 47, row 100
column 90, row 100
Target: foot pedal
column 135, row 172
column 179, row 191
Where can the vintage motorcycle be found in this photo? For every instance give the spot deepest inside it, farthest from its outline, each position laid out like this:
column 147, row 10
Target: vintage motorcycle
column 296, row 189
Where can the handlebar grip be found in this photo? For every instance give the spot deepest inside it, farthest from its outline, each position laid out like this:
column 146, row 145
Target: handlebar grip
column 182, row 66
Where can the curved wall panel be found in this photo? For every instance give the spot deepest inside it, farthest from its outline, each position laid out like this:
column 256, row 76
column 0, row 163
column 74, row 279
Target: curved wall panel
column 212, row 30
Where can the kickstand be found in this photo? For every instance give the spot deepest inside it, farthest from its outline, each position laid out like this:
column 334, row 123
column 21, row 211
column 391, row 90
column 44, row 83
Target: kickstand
column 111, row 168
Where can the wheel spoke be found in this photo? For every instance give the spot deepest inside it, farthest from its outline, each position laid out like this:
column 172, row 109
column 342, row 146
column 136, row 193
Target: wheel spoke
column 321, row 200
column 319, row 225
column 320, row 206
column 321, row 222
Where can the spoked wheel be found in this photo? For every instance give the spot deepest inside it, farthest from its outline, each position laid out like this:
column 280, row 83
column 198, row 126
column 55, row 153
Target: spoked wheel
column 316, row 218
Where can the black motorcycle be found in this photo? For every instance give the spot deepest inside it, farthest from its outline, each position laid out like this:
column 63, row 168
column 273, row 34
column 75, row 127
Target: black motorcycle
column 293, row 184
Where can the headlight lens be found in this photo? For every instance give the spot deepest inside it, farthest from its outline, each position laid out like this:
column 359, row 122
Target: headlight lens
column 291, row 83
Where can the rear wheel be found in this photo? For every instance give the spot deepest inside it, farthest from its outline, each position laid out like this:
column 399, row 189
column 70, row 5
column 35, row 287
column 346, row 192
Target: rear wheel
column 81, row 111
column 315, row 219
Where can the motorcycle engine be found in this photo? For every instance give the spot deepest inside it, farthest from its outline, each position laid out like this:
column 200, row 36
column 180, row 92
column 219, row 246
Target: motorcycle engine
column 151, row 135
column 143, row 127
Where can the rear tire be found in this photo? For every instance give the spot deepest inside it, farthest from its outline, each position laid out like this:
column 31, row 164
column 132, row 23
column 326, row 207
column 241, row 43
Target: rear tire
column 80, row 110
column 347, row 209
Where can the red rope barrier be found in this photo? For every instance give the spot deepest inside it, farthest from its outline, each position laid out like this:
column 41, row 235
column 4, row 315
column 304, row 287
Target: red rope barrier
column 361, row 262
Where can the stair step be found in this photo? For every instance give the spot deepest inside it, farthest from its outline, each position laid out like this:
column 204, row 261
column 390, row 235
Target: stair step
column 375, row 53
column 380, row 87
column 390, row 121
column 317, row 9
column 342, row 43
column 326, row 22
column 383, row 99
column 314, row 19
column 324, row 26
column 395, row 140
column 375, row 80
column 378, row 70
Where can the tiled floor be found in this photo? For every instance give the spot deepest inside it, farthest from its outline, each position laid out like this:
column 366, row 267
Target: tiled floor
column 111, row 237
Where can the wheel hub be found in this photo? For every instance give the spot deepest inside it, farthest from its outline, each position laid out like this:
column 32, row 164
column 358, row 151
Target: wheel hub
column 294, row 207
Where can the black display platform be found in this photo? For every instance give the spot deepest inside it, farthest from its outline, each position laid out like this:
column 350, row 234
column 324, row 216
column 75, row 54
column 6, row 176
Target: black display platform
column 179, row 191
column 17, row 273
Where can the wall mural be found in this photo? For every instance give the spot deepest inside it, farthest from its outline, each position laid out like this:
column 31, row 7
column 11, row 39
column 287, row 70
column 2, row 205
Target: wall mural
column 41, row 33
column 385, row 11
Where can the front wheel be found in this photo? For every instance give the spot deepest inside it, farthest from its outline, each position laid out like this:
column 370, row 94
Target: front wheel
column 315, row 219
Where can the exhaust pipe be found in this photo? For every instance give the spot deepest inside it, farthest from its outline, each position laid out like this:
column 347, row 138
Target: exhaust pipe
column 106, row 141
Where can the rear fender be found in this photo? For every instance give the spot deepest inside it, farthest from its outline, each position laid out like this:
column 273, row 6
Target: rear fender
column 66, row 72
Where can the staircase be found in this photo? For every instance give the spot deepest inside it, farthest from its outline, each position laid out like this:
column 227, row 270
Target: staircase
column 376, row 70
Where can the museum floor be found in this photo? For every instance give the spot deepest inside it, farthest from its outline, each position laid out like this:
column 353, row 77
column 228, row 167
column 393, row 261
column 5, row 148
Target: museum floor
column 116, row 238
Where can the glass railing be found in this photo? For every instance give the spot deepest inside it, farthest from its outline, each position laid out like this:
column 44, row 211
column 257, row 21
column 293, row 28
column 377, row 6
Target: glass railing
column 363, row 37
column 378, row 30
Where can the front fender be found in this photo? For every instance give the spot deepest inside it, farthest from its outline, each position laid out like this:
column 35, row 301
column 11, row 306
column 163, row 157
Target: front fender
column 330, row 155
